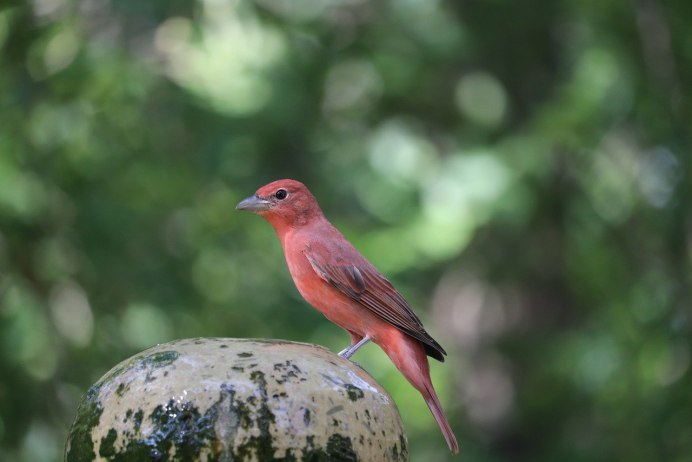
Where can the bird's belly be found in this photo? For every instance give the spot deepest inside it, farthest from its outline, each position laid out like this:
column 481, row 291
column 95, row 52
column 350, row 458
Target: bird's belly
column 336, row 306
column 329, row 301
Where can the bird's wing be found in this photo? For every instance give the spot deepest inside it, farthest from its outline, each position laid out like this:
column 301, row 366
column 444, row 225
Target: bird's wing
column 364, row 284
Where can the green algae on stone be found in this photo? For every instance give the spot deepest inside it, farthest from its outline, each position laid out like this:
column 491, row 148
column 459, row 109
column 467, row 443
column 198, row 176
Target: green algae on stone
column 261, row 445
column 107, row 448
column 340, row 448
column 354, row 393
column 183, row 427
column 160, row 359
column 155, row 360
column 80, row 446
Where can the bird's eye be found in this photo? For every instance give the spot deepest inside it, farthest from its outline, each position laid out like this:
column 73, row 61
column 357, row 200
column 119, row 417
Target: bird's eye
column 281, row 194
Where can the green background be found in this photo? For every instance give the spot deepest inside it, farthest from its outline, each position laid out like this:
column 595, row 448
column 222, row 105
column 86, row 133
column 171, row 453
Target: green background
column 519, row 169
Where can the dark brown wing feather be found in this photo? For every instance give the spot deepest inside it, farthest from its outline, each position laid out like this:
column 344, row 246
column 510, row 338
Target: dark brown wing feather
column 367, row 286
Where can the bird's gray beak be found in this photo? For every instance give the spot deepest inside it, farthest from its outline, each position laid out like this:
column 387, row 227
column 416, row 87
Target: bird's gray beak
column 253, row 204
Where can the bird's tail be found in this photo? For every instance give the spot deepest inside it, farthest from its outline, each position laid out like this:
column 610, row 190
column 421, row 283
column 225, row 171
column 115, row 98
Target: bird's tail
column 408, row 355
column 436, row 408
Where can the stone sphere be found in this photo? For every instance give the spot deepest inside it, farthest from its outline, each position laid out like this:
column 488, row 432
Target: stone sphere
column 222, row 399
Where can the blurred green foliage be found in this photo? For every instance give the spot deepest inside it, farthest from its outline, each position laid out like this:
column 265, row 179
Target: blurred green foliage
column 520, row 170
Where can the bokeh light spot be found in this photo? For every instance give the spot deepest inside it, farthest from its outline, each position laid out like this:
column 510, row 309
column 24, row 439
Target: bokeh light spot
column 659, row 176
column 351, row 85
column 466, row 183
column 599, row 360
column 611, row 184
column 482, row 99
column 398, row 152
column 225, row 63
column 60, row 51
column 144, row 325
column 22, row 194
column 27, row 338
column 71, row 313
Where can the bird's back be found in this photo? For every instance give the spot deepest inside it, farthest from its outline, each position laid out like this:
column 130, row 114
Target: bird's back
column 319, row 255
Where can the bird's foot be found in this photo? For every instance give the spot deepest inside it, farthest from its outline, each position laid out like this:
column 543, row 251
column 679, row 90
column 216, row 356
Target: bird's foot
column 346, row 353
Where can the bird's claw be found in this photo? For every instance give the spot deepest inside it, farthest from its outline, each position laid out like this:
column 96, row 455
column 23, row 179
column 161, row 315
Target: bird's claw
column 347, row 352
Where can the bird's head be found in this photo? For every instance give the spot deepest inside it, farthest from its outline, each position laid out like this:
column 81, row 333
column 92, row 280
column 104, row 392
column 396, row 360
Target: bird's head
column 283, row 203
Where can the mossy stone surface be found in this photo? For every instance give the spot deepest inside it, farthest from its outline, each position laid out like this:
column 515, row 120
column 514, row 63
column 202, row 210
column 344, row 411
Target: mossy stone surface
column 221, row 399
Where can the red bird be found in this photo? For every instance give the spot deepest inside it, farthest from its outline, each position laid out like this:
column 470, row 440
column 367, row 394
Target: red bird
column 337, row 280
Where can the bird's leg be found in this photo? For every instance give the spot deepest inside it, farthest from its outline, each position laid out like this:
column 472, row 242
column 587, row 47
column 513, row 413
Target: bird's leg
column 355, row 338
column 348, row 352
